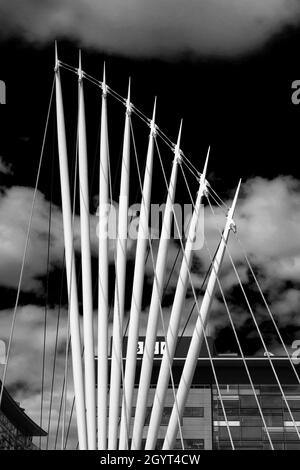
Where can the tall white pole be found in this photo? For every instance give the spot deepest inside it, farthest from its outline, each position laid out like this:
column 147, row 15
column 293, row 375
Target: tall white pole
column 175, row 318
column 198, row 335
column 155, row 304
column 119, row 298
column 88, row 330
column 137, row 292
column 103, row 301
column 70, row 264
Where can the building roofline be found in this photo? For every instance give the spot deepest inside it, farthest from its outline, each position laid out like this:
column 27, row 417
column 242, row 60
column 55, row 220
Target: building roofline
column 18, row 417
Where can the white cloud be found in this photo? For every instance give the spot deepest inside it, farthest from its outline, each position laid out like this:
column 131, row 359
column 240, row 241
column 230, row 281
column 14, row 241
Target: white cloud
column 156, row 28
column 5, row 168
column 15, row 208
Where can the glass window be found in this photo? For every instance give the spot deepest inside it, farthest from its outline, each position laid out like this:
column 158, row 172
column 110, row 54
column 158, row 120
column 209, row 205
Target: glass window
column 166, row 415
column 271, row 401
column 159, row 444
column 193, row 412
column 224, row 446
column 248, row 401
column 148, row 416
column 291, row 435
column 293, row 404
column 267, row 389
column 234, row 430
column 291, row 389
column 249, row 445
column 276, row 445
column 292, row 445
column 190, row 444
column 250, row 412
column 251, row 432
column 251, row 421
column 247, row 390
column 230, row 403
column 275, row 436
column 229, row 412
column 295, row 413
column 274, row 420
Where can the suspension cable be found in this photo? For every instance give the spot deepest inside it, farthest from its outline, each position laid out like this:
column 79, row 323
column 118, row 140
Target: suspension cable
column 47, row 297
column 25, row 249
column 199, row 315
column 156, row 281
column 267, row 307
column 261, row 337
column 240, row 349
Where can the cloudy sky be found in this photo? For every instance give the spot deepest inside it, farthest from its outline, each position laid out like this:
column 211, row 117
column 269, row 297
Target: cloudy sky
column 226, row 68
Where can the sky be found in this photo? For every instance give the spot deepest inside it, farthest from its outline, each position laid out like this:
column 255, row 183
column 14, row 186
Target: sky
column 226, row 68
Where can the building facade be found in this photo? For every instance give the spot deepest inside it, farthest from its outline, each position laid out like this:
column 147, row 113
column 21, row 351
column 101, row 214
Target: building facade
column 16, row 428
column 204, row 425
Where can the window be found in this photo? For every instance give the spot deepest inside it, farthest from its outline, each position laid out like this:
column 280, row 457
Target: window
column 250, row 412
column 165, row 416
column 275, row 434
column 273, row 420
column 271, row 401
column 193, row 412
column 249, row 445
column 234, row 431
column 269, row 389
column 292, row 446
column 293, row 404
column 248, row 401
column 251, row 421
column 190, row 444
column 295, row 413
column 167, row 411
column 251, row 432
column 291, row 390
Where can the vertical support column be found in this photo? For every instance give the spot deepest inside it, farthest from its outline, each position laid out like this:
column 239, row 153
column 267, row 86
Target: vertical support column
column 88, row 330
column 198, row 335
column 137, row 292
column 176, row 315
column 119, row 298
column 155, row 304
column 70, row 264
column 103, row 307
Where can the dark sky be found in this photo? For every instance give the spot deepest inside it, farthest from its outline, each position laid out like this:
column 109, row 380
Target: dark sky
column 240, row 106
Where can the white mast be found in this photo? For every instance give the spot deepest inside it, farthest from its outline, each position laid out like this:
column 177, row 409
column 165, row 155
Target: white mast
column 119, row 298
column 155, row 304
column 176, row 315
column 198, row 335
column 103, row 309
column 70, row 263
column 88, row 333
column 137, row 291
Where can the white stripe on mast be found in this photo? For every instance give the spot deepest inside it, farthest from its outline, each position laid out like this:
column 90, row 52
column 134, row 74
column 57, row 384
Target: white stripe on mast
column 174, row 323
column 119, row 298
column 103, row 307
column 70, row 263
column 198, row 335
column 137, row 291
column 158, row 283
column 87, row 300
